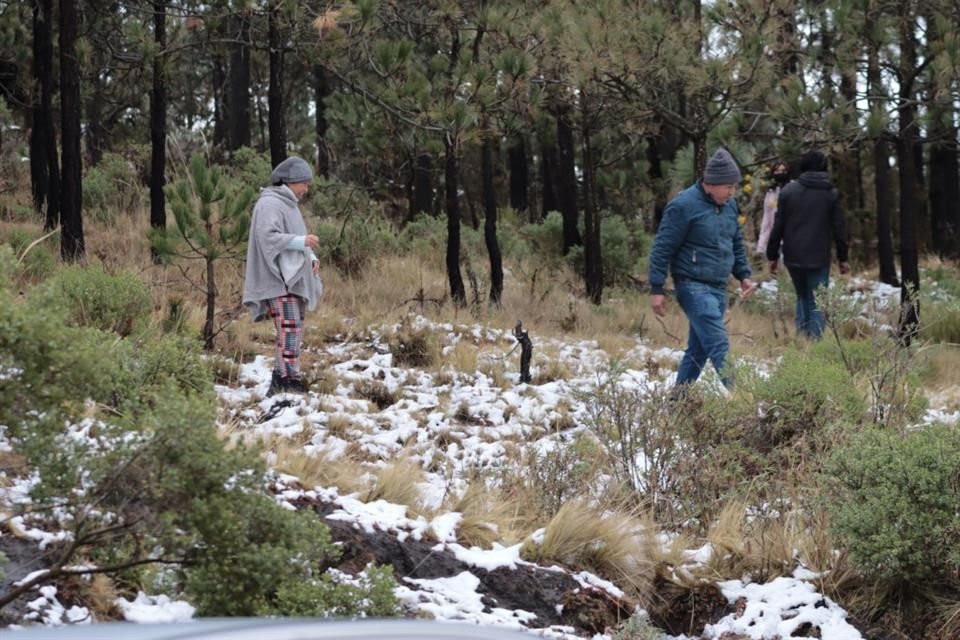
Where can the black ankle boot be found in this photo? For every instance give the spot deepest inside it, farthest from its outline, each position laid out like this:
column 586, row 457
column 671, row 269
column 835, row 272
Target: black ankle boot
column 276, row 384
column 295, row 385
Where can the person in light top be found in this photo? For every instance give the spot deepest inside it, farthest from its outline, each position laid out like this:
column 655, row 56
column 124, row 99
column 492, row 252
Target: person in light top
column 780, row 173
column 282, row 277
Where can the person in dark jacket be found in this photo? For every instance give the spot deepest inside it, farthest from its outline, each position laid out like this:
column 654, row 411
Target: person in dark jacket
column 701, row 243
column 809, row 219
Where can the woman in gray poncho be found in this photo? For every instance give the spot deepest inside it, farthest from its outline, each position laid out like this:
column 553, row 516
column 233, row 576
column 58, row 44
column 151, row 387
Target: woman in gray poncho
column 282, row 276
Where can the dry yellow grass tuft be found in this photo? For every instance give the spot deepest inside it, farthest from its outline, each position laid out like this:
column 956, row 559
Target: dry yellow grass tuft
column 607, row 541
column 487, row 518
column 318, row 471
column 396, row 482
column 461, row 357
column 99, row 594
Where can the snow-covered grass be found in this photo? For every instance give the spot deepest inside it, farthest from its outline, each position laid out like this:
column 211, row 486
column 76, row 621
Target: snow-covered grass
column 438, row 431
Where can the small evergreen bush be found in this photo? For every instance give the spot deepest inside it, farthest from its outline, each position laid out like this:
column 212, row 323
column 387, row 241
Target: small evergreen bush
column 248, row 169
column 897, row 502
column 805, row 393
column 352, row 244
column 112, row 187
column 371, row 594
column 91, row 297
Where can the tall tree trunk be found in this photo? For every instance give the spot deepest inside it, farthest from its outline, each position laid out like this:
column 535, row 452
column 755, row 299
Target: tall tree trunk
column 238, row 86
column 944, row 166
column 96, row 129
column 219, row 78
column 44, row 164
column 592, row 260
column 655, row 174
column 490, row 221
column 71, row 228
column 567, row 184
column 158, row 121
column 945, row 189
column 847, row 161
column 881, row 180
column 549, row 170
column 519, row 175
column 321, row 87
column 422, row 185
column 458, row 291
column 909, row 205
column 275, row 106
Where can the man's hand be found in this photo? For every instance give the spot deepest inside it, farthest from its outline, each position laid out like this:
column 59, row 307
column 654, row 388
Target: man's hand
column 316, row 267
column 311, row 241
column 747, row 287
column 844, row 268
column 773, row 265
column 659, row 303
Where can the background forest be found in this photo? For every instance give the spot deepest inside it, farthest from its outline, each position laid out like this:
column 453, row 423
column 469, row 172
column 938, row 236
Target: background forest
column 466, row 109
column 476, row 162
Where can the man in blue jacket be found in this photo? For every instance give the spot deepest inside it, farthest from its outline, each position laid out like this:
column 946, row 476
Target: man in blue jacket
column 700, row 241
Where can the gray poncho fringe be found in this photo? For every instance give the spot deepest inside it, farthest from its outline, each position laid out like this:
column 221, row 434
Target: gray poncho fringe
column 276, row 221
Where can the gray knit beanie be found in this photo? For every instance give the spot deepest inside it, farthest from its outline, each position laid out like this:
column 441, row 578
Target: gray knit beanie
column 293, row 169
column 721, row 169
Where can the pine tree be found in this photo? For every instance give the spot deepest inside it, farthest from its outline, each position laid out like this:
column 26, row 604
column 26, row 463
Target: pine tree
column 212, row 225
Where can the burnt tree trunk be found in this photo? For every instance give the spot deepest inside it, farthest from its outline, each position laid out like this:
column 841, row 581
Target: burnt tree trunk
column 44, row 163
column 490, row 220
column 519, row 176
column 944, row 166
column 158, row 121
column 321, row 88
column 592, row 260
column 909, row 201
column 71, row 220
column 567, row 184
column 881, row 184
column 275, row 106
column 422, row 185
column 238, row 86
column 549, row 169
column 458, row 291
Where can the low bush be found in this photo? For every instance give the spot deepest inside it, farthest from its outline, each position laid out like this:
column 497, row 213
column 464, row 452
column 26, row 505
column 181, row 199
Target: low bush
column 896, row 502
column 91, row 297
column 112, row 187
column 350, row 245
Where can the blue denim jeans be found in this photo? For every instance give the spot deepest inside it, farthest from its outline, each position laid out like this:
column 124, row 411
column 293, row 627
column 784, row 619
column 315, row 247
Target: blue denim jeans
column 809, row 319
column 704, row 305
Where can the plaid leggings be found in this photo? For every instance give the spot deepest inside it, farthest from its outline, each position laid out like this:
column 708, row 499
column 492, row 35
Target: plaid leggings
column 287, row 313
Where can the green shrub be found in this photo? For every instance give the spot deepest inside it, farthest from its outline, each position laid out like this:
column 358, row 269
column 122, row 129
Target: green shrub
column 804, row 394
column 940, row 323
column 112, row 187
column 623, row 249
column 48, row 369
column 248, row 168
column 897, row 502
column 150, row 362
column 247, row 549
column 371, row 594
column 38, row 263
column 546, row 240
column 91, row 297
column 352, row 244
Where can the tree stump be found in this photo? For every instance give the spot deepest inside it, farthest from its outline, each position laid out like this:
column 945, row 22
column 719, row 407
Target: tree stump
column 526, row 351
